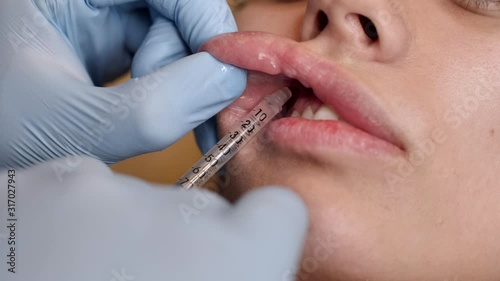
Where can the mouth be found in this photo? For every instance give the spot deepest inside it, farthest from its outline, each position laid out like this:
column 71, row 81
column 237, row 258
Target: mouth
column 329, row 107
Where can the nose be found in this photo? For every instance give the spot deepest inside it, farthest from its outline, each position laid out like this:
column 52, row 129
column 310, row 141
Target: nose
column 360, row 29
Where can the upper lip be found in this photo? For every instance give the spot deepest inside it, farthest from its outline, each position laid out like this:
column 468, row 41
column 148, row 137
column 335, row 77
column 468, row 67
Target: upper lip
column 267, row 53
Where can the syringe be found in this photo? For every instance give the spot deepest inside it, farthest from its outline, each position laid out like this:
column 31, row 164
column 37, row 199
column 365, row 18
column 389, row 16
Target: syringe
column 234, row 141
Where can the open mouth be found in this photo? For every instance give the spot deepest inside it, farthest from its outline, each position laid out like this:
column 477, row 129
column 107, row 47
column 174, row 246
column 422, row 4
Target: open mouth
column 304, row 104
column 323, row 94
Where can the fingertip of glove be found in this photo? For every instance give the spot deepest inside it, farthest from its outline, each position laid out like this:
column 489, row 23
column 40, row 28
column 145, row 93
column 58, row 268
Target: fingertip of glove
column 276, row 218
column 276, row 207
column 231, row 80
column 237, row 80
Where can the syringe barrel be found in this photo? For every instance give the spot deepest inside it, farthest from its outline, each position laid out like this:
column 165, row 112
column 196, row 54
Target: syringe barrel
column 232, row 142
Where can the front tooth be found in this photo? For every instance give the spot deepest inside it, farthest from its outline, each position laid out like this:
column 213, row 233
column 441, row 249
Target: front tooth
column 295, row 114
column 308, row 113
column 325, row 113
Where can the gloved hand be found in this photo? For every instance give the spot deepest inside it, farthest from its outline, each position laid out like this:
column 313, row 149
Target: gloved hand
column 54, row 52
column 93, row 225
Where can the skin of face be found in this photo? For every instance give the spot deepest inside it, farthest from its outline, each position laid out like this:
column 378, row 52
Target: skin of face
column 430, row 213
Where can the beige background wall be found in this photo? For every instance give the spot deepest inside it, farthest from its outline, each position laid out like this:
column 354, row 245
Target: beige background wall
column 161, row 167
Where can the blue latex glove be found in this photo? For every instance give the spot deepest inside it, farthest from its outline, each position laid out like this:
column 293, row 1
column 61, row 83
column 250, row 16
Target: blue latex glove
column 93, row 225
column 54, row 52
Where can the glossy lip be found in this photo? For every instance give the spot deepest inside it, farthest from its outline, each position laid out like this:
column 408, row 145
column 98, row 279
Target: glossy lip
column 272, row 55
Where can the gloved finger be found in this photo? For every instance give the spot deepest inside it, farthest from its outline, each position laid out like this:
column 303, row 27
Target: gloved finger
column 206, row 135
column 107, row 3
column 197, row 20
column 177, row 98
column 277, row 218
column 162, row 45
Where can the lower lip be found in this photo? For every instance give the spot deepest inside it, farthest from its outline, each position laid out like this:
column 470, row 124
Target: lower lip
column 323, row 136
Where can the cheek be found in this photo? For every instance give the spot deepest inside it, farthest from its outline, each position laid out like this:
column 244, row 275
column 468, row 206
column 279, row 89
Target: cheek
column 468, row 113
column 281, row 19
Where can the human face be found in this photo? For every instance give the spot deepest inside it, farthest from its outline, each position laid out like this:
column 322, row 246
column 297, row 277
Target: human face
column 406, row 186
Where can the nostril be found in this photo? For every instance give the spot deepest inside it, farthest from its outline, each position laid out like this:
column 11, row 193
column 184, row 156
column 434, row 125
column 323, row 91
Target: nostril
column 321, row 21
column 369, row 28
